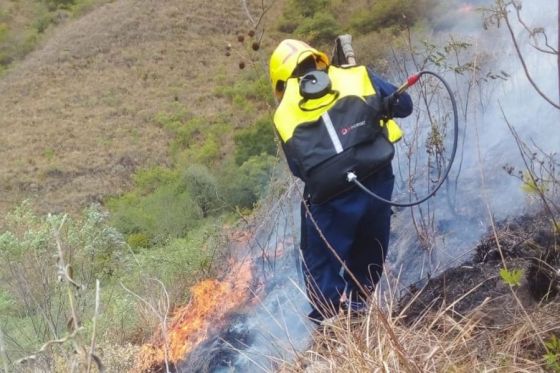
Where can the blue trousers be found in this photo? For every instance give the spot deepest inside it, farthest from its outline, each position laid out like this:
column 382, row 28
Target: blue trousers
column 357, row 227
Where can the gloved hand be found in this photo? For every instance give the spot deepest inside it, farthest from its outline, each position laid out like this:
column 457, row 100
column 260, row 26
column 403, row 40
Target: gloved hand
column 389, row 104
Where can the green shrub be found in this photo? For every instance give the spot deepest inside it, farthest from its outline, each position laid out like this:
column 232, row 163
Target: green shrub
column 322, row 27
column 59, row 4
column 174, row 118
column 203, row 187
column 386, row 14
column 81, row 7
column 305, row 8
column 195, row 139
column 167, row 212
column 43, row 22
column 189, row 132
column 181, row 125
column 138, row 240
column 3, row 32
column 99, row 243
column 165, row 204
column 247, row 184
column 253, row 87
column 207, row 151
column 148, row 180
column 255, row 140
column 310, row 20
column 7, row 303
column 169, row 261
column 287, row 25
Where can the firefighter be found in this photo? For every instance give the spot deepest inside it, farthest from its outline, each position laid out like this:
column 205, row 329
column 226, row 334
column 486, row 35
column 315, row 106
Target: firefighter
column 332, row 120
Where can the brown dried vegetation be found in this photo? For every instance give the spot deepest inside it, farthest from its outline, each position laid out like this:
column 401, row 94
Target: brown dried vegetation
column 78, row 113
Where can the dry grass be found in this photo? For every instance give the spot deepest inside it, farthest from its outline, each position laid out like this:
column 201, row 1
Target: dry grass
column 439, row 340
column 78, row 113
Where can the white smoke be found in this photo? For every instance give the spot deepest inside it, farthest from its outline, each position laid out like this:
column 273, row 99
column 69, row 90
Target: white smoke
column 277, row 324
column 483, row 188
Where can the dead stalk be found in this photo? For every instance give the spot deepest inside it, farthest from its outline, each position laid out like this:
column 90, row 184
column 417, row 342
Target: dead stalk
column 44, row 347
column 92, row 345
column 161, row 315
column 64, row 273
column 504, row 12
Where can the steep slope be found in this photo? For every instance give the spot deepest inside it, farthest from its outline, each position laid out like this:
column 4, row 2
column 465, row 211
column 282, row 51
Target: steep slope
column 78, row 114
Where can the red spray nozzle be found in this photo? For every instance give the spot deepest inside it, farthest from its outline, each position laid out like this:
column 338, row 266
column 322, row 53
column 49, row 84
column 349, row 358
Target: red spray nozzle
column 410, row 81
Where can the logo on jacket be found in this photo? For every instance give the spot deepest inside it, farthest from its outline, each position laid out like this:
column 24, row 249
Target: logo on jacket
column 346, row 130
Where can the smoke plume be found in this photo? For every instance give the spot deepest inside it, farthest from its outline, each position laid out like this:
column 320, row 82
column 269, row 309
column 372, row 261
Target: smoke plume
column 491, row 88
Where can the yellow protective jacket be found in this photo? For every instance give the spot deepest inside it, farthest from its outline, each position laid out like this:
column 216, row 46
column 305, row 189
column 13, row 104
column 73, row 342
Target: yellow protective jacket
column 340, row 132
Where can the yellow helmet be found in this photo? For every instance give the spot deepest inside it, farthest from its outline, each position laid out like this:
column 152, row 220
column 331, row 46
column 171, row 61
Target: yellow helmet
column 286, row 57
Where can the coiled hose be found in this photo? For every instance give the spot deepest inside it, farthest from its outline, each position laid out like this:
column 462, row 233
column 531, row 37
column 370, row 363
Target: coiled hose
column 353, row 178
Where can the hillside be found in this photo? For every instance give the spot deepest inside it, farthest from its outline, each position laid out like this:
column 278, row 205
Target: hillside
column 154, row 109
column 78, row 113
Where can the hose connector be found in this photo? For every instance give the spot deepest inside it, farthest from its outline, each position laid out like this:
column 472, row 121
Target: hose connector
column 351, row 177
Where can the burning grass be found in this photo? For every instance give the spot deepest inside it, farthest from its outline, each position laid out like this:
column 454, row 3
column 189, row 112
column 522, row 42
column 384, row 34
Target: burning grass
column 211, row 302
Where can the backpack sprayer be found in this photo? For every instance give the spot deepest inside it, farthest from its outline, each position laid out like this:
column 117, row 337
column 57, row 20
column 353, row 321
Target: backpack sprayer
column 343, row 54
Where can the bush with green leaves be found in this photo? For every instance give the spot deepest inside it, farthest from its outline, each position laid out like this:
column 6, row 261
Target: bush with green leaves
column 250, row 92
column 306, row 8
column 322, row 27
column 255, row 140
column 166, row 204
column 203, row 187
column 552, row 356
column 247, row 184
column 33, row 301
column 167, row 212
column 390, row 14
column 4, row 58
column 178, row 258
column 59, row 4
column 311, row 20
column 182, row 126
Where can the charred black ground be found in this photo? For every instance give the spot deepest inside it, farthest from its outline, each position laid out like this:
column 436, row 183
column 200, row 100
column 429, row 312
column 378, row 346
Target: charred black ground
column 220, row 350
column 526, row 243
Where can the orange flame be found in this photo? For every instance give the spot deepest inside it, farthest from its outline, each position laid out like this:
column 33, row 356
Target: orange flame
column 210, row 302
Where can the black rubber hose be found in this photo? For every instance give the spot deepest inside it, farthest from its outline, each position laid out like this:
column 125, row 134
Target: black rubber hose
column 354, row 179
